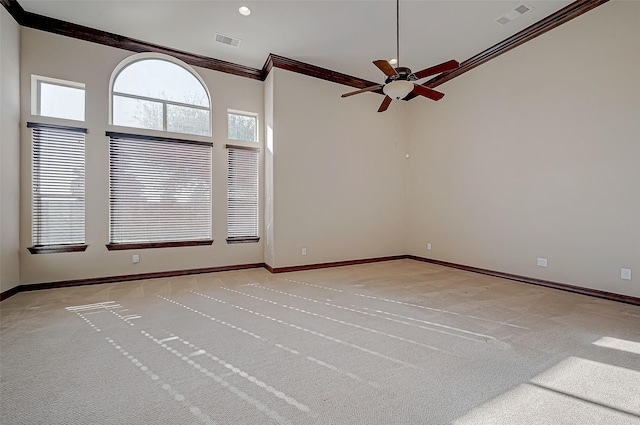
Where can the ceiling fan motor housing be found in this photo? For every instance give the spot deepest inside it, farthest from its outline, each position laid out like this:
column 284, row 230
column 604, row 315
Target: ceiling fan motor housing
column 403, row 74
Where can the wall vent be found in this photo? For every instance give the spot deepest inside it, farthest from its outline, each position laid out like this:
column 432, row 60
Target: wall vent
column 514, row 14
column 225, row 39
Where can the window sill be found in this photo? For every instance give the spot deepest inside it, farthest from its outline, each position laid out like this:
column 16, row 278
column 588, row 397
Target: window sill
column 149, row 245
column 51, row 249
column 243, row 239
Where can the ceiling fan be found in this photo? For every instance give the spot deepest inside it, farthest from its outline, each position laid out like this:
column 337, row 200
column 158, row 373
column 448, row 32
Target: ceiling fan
column 399, row 83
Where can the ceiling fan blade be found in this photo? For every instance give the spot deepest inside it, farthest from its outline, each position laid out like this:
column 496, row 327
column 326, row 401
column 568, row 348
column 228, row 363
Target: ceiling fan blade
column 445, row 66
column 385, row 67
column 372, row 88
column 426, row 92
column 385, row 104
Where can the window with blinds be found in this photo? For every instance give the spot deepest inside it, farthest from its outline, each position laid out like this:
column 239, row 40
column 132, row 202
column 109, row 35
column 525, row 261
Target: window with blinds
column 58, row 201
column 242, row 194
column 160, row 192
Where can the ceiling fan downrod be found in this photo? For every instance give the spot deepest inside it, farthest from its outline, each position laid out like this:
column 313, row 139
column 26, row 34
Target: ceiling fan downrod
column 398, row 33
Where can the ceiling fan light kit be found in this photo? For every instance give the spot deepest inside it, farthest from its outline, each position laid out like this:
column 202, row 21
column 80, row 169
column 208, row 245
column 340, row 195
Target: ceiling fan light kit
column 398, row 89
column 399, row 84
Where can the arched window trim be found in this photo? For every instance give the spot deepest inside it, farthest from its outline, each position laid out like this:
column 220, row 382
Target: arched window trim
column 159, row 56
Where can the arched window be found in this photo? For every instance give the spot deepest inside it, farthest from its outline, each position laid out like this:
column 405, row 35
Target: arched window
column 158, row 92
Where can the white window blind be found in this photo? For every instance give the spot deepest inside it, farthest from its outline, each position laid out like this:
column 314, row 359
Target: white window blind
column 58, row 167
column 242, row 194
column 160, row 189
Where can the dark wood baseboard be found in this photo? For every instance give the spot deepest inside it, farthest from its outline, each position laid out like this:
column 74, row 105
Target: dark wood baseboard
column 540, row 282
column 333, row 264
column 124, row 278
column 154, row 275
column 9, row 293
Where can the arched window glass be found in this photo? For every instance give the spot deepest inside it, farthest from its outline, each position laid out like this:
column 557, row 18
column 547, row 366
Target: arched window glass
column 160, row 94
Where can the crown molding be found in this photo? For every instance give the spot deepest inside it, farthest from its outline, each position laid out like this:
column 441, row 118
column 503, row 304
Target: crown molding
column 14, row 9
column 68, row 29
column 552, row 21
column 57, row 26
column 275, row 61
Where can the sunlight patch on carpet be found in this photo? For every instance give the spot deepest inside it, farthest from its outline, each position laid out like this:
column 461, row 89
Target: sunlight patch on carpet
column 619, row 344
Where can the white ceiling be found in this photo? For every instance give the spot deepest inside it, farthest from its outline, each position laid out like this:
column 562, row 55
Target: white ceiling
column 343, row 36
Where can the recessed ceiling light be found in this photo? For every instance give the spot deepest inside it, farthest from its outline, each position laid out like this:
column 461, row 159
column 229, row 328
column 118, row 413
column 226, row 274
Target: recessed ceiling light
column 393, row 61
column 244, row 10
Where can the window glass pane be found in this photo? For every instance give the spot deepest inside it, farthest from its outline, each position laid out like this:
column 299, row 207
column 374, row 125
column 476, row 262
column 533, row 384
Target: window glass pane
column 182, row 119
column 161, row 79
column 242, row 127
column 61, row 101
column 137, row 113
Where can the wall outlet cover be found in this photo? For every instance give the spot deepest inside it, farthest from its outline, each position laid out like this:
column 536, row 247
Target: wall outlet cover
column 542, row 262
column 625, row 274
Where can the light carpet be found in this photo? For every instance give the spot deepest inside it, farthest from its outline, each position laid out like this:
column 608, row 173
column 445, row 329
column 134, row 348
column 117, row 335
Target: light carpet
column 399, row 342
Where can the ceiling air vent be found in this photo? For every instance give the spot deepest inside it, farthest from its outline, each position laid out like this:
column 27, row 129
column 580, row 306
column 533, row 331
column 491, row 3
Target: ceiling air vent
column 225, row 39
column 514, row 14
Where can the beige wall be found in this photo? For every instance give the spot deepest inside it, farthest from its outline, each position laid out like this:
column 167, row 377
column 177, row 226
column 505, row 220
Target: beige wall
column 269, row 242
column 336, row 182
column 534, row 154
column 338, row 173
column 70, row 59
column 537, row 154
column 9, row 151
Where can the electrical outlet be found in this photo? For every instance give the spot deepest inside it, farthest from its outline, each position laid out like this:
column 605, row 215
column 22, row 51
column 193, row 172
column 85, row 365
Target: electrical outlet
column 542, row 262
column 304, row 251
column 625, row 274
column 429, row 246
column 135, row 258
